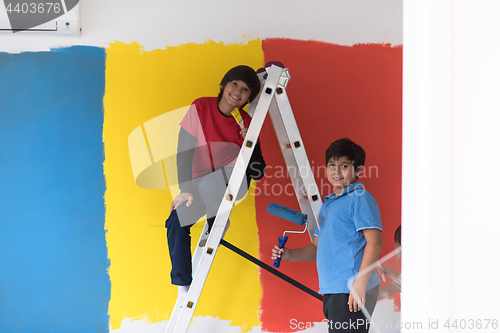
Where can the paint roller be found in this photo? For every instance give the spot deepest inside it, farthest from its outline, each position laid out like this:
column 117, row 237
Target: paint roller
column 290, row 215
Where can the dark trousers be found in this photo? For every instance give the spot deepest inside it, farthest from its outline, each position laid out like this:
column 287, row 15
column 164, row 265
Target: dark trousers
column 208, row 192
column 179, row 245
column 340, row 319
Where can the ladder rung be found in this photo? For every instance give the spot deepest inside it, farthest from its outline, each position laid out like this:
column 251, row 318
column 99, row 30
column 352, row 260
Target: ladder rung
column 296, row 144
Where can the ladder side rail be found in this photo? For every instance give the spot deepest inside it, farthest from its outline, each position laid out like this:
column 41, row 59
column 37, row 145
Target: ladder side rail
column 299, row 152
column 199, row 250
column 200, row 276
column 237, row 176
column 251, row 108
column 292, row 166
column 177, row 307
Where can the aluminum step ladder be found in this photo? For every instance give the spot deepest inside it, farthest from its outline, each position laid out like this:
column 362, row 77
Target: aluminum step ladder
column 273, row 99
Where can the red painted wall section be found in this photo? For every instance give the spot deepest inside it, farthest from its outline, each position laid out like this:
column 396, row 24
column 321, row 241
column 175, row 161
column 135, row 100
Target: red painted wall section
column 335, row 92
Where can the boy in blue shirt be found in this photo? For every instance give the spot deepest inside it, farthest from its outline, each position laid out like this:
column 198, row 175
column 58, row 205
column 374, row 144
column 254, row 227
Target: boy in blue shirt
column 348, row 240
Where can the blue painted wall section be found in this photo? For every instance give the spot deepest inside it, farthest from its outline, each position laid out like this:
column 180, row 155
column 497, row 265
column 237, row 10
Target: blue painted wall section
column 53, row 256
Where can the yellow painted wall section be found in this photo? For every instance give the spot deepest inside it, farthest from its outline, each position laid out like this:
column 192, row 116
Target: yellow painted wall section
column 140, row 86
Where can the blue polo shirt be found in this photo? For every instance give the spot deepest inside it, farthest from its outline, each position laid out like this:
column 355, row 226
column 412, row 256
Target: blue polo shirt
column 341, row 243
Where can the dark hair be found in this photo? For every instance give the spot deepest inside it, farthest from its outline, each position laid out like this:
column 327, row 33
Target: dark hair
column 345, row 147
column 397, row 235
column 245, row 74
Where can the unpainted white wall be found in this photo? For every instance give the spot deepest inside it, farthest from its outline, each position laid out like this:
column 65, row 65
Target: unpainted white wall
column 157, row 24
column 451, row 116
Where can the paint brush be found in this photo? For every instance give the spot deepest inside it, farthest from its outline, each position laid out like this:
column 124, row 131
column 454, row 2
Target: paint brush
column 237, row 115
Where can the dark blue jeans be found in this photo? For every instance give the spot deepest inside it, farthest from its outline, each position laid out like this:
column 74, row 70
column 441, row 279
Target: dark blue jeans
column 340, row 319
column 179, row 245
column 208, row 192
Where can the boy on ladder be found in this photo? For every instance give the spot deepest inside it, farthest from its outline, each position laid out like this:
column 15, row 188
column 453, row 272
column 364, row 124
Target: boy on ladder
column 210, row 139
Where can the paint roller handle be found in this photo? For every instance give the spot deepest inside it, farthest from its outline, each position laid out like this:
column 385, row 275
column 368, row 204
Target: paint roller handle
column 281, row 244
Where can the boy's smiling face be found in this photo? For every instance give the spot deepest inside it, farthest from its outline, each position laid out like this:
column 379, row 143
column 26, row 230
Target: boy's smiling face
column 341, row 173
column 235, row 94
